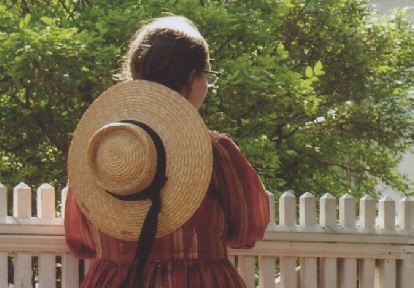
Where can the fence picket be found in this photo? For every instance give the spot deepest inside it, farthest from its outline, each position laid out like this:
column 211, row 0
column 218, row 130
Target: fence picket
column 63, row 200
column 307, row 211
column 348, row 273
column 367, row 212
column 287, row 209
column 46, row 201
column 406, row 214
column 271, row 208
column 47, row 268
column 288, row 272
column 247, row 269
column 386, row 213
column 387, row 274
column 267, row 272
column 3, row 201
column 22, row 197
column 366, row 273
column 347, row 218
column 4, row 269
column 347, row 211
column 308, row 265
column 23, row 270
column 287, row 218
column 328, row 272
column 405, row 275
column 308, row 272
column 327, row 212
column 367, row 216
column 70, row 271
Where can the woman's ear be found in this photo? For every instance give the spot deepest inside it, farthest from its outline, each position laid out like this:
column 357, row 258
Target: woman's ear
column 192, row 77
column 187, row 88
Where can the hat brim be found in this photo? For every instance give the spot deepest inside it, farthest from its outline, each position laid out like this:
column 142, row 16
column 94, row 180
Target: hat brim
column 188, row 153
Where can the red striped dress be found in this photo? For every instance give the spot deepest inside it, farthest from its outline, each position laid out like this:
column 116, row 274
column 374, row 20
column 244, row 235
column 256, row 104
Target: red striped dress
column 234, row 213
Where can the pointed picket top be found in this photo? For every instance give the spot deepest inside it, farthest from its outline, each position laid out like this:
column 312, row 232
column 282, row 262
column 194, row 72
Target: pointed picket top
column 271, row 198
column 307, row 211
column 347, row 211
column 46, row 186
column 328, row 196
column 367, row 197
column 287, row 209
column 46, row 201
column 3, row 201
column 346, row 196
column 327, row 212
column 21, row 185
column 386, row 213
column 386, row 198
column 367, row 212
column 406, row 213
column 63, row 201
column 22, row 197
column 287, row 194
column 307, row 195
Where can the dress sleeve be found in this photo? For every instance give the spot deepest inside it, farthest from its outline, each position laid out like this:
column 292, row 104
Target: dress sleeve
column 79, row 232
column 243, row 195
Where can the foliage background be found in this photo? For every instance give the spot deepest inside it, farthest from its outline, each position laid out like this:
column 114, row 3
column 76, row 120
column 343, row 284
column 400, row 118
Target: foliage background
column 313, row 92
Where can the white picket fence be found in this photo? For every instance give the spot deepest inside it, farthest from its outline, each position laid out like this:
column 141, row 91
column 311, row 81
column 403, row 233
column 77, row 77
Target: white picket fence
column 330, row 246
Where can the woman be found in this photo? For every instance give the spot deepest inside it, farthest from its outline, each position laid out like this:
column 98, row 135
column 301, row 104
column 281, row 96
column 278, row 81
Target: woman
column 233, row 212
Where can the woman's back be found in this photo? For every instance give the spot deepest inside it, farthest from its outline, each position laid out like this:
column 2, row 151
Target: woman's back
column 194, row 255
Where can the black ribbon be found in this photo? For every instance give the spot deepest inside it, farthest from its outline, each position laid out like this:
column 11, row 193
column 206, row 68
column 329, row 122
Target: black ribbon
column 152, row 192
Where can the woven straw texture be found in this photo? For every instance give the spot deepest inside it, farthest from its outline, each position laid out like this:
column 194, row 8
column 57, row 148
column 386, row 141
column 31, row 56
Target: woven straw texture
column 188, row 151
column 122, row 158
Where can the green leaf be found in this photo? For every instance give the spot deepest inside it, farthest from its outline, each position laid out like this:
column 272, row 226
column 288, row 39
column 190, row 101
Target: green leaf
column 27, row 19
column 100, row 27
column 280, row 48
column 318, row 68
column 309, row 72
column 22, row 24
column 47, row 20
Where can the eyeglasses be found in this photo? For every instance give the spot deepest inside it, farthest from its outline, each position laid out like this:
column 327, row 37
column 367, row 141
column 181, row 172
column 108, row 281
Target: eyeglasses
column 212, row 77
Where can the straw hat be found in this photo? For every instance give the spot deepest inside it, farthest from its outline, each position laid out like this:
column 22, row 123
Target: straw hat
column 110, row 158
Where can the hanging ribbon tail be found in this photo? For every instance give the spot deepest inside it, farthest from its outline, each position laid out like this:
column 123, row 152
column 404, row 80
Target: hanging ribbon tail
column 145, row 241
column 149, row 228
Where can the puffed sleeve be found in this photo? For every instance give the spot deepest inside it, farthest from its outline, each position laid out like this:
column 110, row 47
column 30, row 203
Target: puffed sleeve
column 243, row 195
column 79, row 232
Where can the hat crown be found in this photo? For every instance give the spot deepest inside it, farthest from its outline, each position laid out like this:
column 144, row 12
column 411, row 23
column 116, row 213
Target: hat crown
column 122, row 158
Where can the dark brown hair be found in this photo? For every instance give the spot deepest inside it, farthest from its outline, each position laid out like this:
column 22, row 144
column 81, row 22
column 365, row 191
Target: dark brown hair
column 166, row 51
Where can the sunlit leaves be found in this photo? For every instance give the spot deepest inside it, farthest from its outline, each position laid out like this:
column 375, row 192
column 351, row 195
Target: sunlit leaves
column 314, row 92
